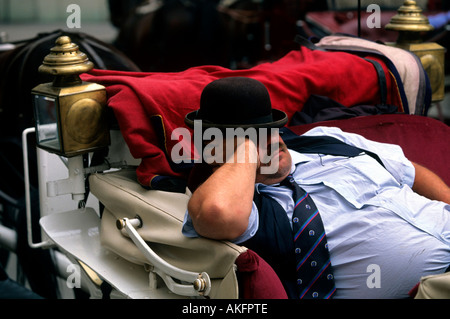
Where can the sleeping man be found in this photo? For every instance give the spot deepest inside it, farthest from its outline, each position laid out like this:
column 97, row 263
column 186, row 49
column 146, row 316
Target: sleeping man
column 340, row 217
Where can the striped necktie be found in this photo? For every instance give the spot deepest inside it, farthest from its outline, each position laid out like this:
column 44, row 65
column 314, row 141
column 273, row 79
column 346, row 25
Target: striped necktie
column 314, row 271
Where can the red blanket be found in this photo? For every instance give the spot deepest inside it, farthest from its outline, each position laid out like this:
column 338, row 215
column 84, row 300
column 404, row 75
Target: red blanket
column 149, row 106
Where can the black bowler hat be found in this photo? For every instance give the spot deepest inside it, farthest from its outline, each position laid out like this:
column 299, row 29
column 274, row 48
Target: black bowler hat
column 236, row 102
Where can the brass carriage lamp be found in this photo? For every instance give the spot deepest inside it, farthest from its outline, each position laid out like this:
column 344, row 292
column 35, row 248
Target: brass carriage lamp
column 412, row 26
column 69, row 113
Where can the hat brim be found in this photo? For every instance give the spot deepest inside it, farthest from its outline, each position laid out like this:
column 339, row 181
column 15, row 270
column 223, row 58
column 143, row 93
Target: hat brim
column 279, row 117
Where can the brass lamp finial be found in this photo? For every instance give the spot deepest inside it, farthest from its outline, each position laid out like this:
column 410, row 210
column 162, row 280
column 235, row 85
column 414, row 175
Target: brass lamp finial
column 412, row 25
column 66, row 62
column 410, row 22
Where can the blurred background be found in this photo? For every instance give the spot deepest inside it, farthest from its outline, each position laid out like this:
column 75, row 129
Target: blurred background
column 20, row 20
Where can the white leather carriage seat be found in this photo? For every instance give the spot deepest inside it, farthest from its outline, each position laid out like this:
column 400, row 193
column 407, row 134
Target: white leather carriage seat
column 162, row 215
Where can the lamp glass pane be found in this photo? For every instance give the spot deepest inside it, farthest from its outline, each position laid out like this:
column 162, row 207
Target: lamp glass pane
column 47, row 122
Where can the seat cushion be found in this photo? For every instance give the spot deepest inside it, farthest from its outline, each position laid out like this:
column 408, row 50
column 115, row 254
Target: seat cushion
column 162, row 216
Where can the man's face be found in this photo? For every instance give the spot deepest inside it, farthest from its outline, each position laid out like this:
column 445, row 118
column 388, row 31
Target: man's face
column 280, row 158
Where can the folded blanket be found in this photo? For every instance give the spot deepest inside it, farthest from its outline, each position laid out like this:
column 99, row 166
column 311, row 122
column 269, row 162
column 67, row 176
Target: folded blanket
column 149, row 106
column 410, row 70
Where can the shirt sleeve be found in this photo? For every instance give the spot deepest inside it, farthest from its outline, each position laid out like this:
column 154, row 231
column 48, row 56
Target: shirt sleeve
column 188, row 229
column 391, row 155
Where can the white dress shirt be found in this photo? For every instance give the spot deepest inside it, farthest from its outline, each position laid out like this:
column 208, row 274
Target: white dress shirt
column 381, row 235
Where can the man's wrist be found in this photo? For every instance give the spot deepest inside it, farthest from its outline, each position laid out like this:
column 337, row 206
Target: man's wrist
column 246, row 151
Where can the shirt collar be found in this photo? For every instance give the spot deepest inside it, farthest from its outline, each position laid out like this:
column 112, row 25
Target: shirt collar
column 296, row 159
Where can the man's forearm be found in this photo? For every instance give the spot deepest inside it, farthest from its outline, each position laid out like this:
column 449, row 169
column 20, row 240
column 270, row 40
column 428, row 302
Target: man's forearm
column 430, row 185
column 221, row 206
